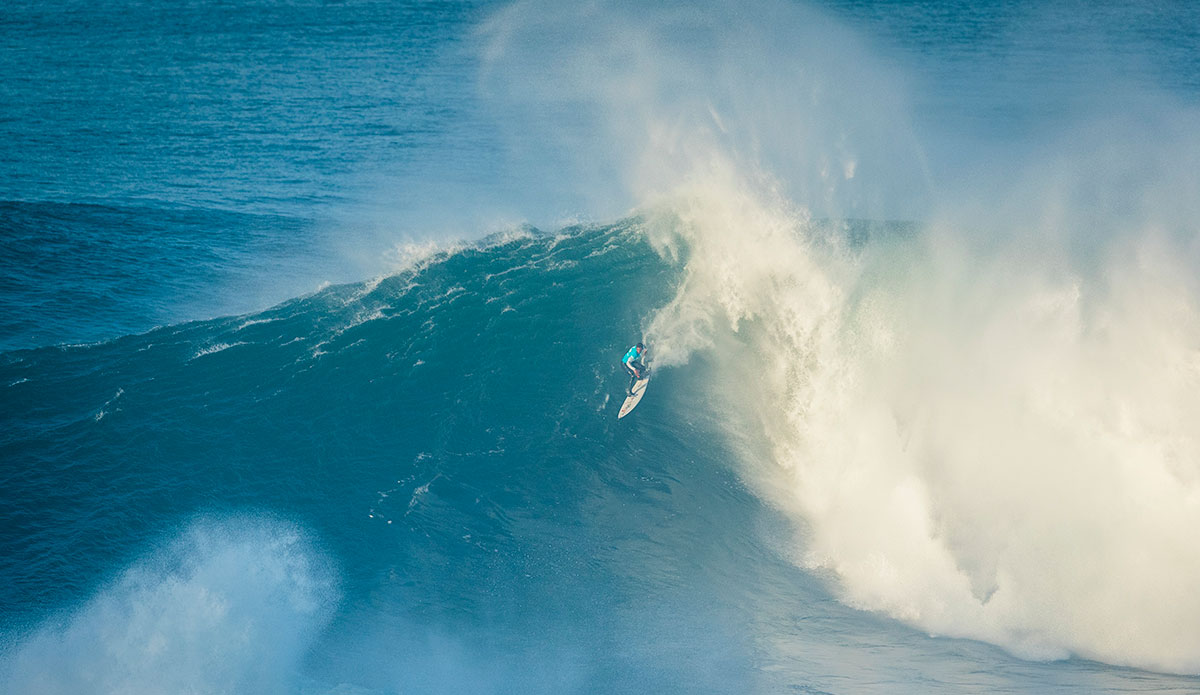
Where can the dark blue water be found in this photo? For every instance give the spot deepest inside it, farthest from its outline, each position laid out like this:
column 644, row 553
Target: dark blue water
column 283, row 412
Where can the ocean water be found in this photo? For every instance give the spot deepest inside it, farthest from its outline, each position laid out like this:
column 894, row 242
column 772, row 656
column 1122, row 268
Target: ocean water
column 311, row 316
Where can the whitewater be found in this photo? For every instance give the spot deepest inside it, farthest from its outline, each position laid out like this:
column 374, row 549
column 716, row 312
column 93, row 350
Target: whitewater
column 920, row 421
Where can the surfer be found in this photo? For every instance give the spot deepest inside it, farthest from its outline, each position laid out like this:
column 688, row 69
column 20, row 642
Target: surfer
column 633, row 364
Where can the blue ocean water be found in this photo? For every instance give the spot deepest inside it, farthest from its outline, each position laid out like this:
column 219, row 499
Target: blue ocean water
column 311, row 315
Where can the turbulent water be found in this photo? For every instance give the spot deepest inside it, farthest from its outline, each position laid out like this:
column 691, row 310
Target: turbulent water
column 298, row 399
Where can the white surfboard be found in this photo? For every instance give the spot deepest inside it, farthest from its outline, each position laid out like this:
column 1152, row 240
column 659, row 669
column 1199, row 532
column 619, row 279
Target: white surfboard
column 639, row 390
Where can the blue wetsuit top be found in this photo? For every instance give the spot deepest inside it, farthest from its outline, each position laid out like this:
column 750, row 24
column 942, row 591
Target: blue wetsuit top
column 630, row 356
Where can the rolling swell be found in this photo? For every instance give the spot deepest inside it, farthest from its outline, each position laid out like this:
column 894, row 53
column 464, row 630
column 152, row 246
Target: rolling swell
column 82, row 272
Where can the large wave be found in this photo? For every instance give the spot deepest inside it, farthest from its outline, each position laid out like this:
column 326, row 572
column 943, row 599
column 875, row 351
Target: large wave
column 981, row 425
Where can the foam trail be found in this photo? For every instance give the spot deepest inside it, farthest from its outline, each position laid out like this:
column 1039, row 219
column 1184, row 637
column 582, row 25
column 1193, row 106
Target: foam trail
column 231, row 606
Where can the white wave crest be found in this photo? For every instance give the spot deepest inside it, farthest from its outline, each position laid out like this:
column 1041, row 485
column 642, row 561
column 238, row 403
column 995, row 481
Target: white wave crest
column 230, row 607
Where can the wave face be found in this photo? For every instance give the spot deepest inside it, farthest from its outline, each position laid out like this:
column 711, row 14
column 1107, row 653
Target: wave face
column 419, row 483
column 448, row 437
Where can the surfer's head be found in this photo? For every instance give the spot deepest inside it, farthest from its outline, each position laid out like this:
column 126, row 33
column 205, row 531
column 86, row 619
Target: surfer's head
column 641, row 348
